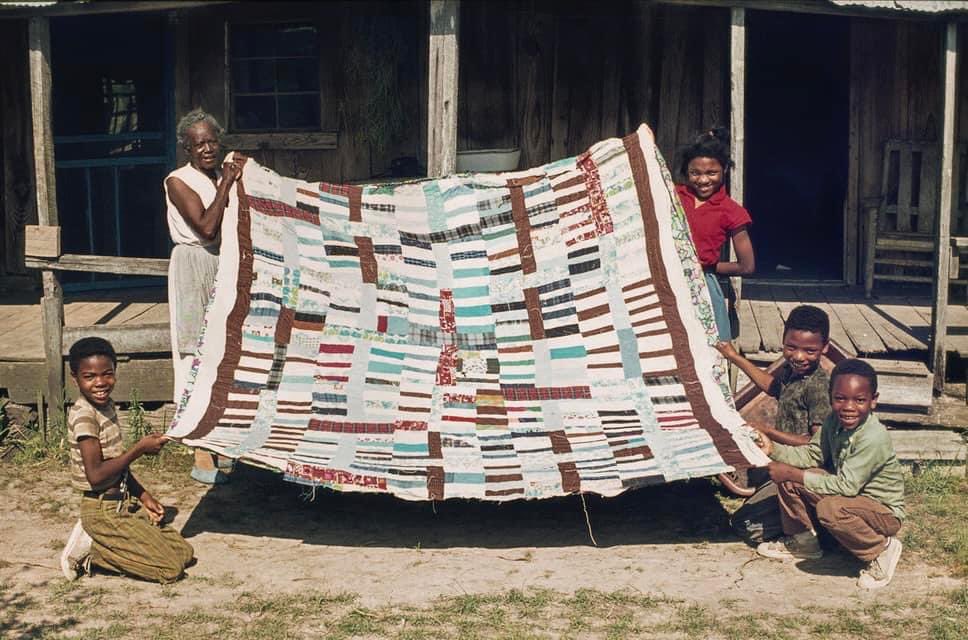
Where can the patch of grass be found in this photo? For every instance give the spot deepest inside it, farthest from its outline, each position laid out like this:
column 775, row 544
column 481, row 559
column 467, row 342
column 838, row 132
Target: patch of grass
column 937, row 526
column 45, row 445
column 514, row 614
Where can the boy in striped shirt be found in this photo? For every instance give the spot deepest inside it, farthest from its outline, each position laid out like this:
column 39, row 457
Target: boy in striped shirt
column 121, row 526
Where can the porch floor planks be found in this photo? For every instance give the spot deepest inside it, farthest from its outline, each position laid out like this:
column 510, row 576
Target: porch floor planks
column 911, row 327
column 864, row 337
column 768, row 318
column 894, row 338
column 811, row 295
column 749, row 334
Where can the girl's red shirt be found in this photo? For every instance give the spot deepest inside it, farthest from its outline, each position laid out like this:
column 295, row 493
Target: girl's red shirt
column 711, row 224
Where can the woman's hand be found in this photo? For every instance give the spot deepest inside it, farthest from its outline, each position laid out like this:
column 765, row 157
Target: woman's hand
column 231, row 172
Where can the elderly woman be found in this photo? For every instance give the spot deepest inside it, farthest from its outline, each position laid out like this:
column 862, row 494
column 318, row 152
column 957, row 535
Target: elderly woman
column 196, row 196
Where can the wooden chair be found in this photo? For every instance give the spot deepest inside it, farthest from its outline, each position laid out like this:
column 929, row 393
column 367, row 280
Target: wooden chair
column 900, row 223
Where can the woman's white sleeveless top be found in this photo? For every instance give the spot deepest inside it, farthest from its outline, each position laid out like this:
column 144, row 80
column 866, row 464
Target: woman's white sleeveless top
column 179, row 229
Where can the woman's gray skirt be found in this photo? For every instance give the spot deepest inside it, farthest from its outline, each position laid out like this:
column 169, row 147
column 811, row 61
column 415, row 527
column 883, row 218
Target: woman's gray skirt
column 191, row 277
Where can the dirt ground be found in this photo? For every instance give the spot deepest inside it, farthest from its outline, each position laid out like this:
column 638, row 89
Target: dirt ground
column 259, row 534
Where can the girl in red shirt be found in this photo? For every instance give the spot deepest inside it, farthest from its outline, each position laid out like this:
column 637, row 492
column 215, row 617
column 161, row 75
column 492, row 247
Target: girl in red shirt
column 714, row 217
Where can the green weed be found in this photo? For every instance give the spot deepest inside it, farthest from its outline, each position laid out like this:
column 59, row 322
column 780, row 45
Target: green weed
column 937, row 500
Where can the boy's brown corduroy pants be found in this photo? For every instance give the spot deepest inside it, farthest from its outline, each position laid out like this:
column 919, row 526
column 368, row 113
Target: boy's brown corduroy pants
column 127, row 542
column 861, row 524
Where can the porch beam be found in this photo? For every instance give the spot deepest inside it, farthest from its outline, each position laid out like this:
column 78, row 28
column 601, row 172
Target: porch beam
column 939, row 310
column 442, row 91
column 52, row 303
column 102, row 264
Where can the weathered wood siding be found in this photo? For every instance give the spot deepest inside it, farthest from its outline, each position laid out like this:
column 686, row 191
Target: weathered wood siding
column 896, row 93
column 553, row 78
column 342, row 89
column 17, row 206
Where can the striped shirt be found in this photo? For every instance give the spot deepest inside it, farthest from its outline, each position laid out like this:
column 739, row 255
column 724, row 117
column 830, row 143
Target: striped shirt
column 85, row 420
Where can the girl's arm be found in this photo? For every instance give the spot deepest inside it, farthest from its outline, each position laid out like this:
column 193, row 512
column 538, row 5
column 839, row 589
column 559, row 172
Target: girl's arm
column 204, row 221
column 745, row 262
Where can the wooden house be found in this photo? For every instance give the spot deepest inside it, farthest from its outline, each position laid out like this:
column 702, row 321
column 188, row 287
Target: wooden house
column 815, row 92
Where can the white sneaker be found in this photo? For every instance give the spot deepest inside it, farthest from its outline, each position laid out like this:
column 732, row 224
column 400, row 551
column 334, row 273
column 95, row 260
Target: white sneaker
column 880, row 570
column 75, row 558
column 789, row 548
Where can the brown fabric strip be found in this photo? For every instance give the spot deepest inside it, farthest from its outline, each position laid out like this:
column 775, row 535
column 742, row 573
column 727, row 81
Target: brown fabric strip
column 435, row 483
column 225, row 373
column 522, row 227
column 685, row 365
column 367, row 258
column 570, row 480
column 284, row 325
column 355, row 196
column 532, row 302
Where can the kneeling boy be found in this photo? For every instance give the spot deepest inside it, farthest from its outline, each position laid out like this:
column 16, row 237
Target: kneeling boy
column 123, row 521
column 848, row 476
column 802, row 389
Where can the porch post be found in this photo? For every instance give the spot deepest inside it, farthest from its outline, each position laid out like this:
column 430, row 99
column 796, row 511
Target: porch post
column 52, row 304
column 442, row 94
column 737, row 115
column 939, row 312
column 737, row 134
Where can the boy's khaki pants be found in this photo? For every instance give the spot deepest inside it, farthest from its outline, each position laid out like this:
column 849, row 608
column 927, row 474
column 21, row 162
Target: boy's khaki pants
column 861, row 524
column 127, row 542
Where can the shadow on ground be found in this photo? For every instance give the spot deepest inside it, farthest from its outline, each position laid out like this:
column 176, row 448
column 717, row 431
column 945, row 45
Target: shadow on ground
column 260, row 503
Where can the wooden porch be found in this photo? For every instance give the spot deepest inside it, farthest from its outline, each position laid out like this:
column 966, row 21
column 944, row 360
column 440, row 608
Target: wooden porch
column 23, row 370
column 893, row 324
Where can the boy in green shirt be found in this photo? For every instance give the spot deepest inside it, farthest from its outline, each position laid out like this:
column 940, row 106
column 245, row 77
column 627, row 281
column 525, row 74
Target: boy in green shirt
column 847, row 476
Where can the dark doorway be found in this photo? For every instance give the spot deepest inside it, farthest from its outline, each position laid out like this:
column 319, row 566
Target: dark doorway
column 111, row 77
column 797, row 103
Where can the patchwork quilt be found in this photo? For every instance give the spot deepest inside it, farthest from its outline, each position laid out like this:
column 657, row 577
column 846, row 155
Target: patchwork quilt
column 492, row 336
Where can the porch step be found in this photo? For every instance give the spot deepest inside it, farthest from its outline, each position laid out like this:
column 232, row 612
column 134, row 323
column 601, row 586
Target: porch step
column 929, row 444
column 903, row 384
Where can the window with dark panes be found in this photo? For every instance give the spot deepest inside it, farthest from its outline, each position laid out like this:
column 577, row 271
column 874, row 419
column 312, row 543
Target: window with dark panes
column 274, row 77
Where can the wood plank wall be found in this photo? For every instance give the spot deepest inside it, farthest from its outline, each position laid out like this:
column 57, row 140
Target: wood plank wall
column 17, row 206
column 342, row 92
column 553, row 78
column 897, row 89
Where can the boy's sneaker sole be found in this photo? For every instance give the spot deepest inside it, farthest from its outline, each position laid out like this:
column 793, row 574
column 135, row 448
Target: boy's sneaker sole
column 881, row 578
column 78, row 548
column 781, row 550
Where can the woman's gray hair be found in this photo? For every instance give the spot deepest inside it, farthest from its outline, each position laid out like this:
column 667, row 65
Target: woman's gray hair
column 192, row 118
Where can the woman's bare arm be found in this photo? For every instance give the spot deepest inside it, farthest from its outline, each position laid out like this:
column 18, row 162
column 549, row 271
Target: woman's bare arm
column 204, row 221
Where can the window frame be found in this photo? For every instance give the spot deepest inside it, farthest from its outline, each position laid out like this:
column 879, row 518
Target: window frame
column 311, row 137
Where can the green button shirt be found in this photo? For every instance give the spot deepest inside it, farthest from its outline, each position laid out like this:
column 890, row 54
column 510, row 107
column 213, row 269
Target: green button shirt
column 861, row 462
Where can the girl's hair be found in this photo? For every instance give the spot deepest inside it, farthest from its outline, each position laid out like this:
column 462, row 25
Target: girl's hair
column 192, row 118
column 712, row 143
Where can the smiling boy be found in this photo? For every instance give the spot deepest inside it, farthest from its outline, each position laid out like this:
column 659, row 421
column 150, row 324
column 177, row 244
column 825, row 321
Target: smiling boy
column 121, row 523
column 848, row 476
column 800, row 385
